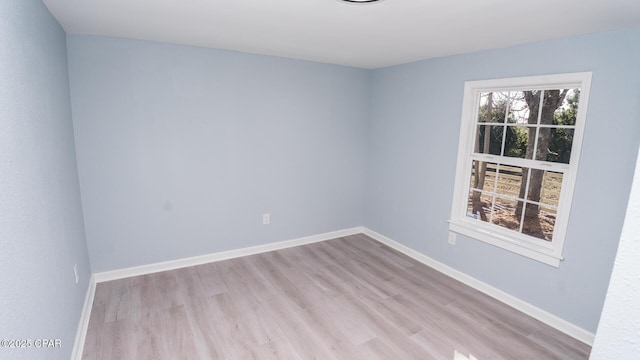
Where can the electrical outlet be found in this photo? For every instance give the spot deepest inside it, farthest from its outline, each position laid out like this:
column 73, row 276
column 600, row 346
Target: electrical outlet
column 75, row 271
column 266, row 219
column 452, row 238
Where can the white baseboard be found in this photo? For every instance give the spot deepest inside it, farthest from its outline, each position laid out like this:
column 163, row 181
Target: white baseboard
column 533, row 311
column 544, row 316
column 204, row 259
column 81, row 334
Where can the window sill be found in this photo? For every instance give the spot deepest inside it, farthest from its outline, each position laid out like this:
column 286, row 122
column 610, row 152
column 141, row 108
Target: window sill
column 539, row 253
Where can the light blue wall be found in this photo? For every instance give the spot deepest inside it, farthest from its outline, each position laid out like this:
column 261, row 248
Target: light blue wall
column 181, row 149
column 413, row 139
column 41, row 226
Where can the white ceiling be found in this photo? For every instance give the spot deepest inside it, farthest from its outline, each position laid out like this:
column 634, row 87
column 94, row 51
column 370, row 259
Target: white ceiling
column 369, row 36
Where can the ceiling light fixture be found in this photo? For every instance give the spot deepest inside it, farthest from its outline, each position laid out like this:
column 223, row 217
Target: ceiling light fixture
column 360, row 1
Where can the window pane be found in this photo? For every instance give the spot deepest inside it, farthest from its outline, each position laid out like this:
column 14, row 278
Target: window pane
column 492, row 144
column 479, row 205
column 536, row 180
column 539, row 221
column 474, row 179
column 486, row 176
column 532, row 100
column 554, row 145
column 509, row 181
column 518, row 109
column 560, row 143
column 493, row 107
column 482, row 110
column 504, row 214
column 566, row 113
column 551, row 186
column 544, row 136
column 516, row 140
column 554, row 100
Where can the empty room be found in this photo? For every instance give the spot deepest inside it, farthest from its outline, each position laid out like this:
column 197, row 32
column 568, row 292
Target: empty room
column 319, row 179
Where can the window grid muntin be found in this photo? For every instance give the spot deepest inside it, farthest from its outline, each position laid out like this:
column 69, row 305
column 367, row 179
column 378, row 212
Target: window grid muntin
column 549, row 253
column 494, row 194
column 534, row 163
column 505, row 123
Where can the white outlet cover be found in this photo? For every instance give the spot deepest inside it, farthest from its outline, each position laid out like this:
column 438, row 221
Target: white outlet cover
column 452, row 238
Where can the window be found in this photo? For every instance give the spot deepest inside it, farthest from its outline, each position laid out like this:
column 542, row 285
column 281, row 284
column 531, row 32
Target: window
column 517, row 162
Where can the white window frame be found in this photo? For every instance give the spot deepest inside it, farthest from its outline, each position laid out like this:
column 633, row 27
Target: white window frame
column 544, row 251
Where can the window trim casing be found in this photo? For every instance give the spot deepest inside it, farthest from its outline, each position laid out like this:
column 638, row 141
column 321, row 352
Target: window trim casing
column 550, row 253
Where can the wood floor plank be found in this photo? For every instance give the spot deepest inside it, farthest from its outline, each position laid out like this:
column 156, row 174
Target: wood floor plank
column 347, row 298
column 279, row 349
column 559, row 344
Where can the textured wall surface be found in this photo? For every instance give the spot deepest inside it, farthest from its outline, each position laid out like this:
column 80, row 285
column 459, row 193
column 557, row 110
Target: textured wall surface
column 41, row 226
column 414, row 130
column 618, row 335
column 181, row 149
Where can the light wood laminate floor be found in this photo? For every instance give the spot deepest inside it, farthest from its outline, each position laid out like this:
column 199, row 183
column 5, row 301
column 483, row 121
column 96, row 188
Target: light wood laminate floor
column 347, row 298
